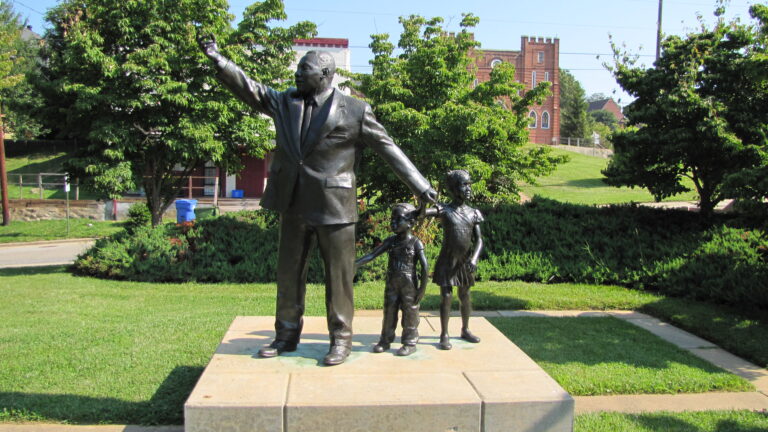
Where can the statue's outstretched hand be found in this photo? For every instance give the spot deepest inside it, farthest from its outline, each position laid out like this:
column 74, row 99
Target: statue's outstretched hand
column 207, row 43
column 429, row 196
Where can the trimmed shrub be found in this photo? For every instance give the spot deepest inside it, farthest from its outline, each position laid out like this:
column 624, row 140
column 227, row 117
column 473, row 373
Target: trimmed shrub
column 138, row 216
column 676, row 252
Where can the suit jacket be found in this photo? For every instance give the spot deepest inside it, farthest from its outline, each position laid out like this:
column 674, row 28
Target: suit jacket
column 317, row 179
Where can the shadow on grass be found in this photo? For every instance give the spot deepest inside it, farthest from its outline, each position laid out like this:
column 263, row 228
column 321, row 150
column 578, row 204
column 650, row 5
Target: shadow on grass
column 165, row 407
column 673, row 424
column 587, row 183
column 481, row 300
column 741, row 331
column 52, row 165
column 37, row 270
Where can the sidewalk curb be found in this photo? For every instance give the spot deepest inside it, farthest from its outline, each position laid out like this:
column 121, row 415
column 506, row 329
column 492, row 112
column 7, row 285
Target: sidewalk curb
column 47, row 242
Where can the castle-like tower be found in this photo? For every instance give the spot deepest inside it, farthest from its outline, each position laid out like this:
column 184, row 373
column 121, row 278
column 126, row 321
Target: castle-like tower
column 538, row 60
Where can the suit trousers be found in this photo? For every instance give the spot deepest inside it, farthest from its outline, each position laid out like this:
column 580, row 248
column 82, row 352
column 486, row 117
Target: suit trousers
column 337, row 249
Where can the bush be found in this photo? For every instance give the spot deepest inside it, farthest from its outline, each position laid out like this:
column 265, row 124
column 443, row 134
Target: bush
column 677, row 252
column 237, row 247
column 138, row 216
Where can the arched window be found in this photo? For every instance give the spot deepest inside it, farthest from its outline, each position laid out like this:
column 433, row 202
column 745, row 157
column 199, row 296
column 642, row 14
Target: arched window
column 495, row 62
column 545, row 120
column 534, row 120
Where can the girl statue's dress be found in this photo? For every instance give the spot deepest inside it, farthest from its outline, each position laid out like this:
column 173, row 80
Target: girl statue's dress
column 458, row 229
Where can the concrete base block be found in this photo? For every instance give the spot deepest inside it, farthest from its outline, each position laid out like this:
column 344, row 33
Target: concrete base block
column 490, row 386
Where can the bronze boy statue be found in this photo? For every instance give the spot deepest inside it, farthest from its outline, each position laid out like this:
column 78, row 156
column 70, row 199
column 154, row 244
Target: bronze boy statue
column 404, row 287
column 457, row 262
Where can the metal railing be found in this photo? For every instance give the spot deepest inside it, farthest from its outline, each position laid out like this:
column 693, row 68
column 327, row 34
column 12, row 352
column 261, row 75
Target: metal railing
column 42, row 182
column 577, row 142
column 189, row 187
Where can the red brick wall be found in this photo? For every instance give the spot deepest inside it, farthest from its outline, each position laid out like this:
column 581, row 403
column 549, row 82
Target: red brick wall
column 526, row 61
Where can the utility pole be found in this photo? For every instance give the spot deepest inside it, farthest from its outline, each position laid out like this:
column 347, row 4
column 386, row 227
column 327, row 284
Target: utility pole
column 4, row 177
column 658, row 33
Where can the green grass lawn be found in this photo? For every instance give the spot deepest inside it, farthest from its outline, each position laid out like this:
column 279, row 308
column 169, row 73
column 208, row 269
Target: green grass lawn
column 41, row 162
column 706, row 421
column 579, row 181
column 23, row 231
column 86, row 350
column 606, row 356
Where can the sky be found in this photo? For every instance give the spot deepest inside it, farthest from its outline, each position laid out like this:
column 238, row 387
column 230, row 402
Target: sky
column 584, row 27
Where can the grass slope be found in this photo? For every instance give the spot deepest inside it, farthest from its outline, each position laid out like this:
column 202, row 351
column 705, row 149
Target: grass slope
column 579, row 181
column 41, row 162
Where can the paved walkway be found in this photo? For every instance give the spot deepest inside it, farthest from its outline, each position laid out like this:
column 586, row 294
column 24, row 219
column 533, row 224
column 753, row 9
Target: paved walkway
column 42, row 253
column 757, row 400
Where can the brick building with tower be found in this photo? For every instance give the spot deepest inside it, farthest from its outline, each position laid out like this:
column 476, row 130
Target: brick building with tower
column 538, row 60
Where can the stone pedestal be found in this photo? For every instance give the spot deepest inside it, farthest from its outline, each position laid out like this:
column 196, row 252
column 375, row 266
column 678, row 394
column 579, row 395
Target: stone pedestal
column 490, row 386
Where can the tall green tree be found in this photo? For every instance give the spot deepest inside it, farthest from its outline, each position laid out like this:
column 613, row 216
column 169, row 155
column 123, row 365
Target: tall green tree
column 18, row 58
column 10, row 34
column 426, row 99
column 574, row 120
column 128, row 81
column 698, row 114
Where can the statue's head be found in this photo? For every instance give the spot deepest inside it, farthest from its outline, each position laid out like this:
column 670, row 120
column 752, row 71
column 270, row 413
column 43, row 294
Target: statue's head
column 403, row 217
column 315, row 72
column 459, row 184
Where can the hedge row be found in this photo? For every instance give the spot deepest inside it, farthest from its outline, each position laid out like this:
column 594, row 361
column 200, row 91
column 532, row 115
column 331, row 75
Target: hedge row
column 676, row 252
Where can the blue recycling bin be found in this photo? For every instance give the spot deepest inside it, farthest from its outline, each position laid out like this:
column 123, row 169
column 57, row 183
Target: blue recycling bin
column 185, row 210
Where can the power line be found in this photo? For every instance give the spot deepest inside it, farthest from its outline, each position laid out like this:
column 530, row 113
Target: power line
column 32, row 9
column 519, row 69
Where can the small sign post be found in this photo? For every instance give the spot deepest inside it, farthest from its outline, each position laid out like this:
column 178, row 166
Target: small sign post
column 66, row 191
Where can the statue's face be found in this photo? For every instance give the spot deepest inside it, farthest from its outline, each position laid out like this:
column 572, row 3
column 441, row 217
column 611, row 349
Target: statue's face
column 400, row 222
column 462, row 190
column 309, row 77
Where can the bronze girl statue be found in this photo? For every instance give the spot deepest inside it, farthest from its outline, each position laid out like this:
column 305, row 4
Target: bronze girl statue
column 462, row 244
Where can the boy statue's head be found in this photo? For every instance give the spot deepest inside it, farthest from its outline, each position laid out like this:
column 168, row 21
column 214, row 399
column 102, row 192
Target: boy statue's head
column 459, row 184
column 403, row 217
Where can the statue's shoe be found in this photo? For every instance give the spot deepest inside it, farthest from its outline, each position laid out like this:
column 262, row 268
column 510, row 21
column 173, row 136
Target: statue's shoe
column 276, row 348
column 336, row 355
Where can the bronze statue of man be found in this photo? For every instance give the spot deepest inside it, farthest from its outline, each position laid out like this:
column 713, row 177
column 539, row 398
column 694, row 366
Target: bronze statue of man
column 320, row 134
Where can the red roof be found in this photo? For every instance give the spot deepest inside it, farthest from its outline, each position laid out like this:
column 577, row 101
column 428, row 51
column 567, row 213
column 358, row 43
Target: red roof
column 323, row 42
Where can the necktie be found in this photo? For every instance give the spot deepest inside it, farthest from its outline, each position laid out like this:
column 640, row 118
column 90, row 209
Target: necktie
column 308, row 105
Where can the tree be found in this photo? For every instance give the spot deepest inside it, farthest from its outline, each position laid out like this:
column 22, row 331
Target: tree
column 698, row 114
column 20, row 55
column 127, row 79
column 426, row 99
column 574, row 121
column 594, row 97
column 604, row 117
